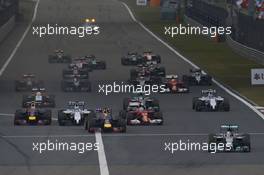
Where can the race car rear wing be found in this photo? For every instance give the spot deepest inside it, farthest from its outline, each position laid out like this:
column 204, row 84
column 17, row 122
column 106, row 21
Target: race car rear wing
column 208, row 91
column 171, row 76
column 29, row 76
column 79, row 103
column 229, row 127
column 38, row 89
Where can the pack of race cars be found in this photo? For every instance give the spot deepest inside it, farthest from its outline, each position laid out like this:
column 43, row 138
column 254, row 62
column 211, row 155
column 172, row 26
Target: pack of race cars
column 139, row 109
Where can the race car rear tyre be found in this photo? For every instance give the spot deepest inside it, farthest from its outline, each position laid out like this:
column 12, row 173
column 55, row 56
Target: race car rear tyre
column 122, row 124
column 156, row 105
column 124, row 61
column 103, row 65
column 18, row 116
column 129, row 117
column 162, row 71
column 47, row 116
column 159, row 115
column 133, row 74
column 247, row 142
column 198, row 106
column 61, row 118
column 125, row 103
column 91, row 123
column 194, row 100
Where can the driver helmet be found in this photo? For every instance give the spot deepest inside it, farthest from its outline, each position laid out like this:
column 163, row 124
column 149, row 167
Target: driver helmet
column 105, row 111
column 33, row 105
column 210, row 94
column 75, row 80
column 38, row 94
column 228, row 134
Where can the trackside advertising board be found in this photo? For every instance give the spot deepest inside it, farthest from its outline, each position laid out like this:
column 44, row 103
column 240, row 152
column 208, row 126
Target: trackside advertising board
column 257, row 76
column 142, row 2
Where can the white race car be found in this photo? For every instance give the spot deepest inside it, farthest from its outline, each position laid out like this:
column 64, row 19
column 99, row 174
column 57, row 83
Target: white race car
column 210, row 101
column 74, row 115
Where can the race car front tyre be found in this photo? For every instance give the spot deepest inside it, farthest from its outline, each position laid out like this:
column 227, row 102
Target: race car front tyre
column 159, row 115
column 124, row 61
column 122, row 124
column 61, row 118
column 47, row 117
column 91, row 124
column 103, row 65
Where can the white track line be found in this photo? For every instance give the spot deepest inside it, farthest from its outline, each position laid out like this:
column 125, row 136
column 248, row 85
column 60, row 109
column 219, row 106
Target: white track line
column 21, row 40
column 6, row 115
column 99, row 140
column 192, row 64
column 259, row 107
column 45, row 136
column 101, row 155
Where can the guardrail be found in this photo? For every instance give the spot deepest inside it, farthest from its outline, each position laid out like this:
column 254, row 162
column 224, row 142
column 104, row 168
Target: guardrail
column 6, row 28
column 243, row 50
column 7, row 10
column 237, row 47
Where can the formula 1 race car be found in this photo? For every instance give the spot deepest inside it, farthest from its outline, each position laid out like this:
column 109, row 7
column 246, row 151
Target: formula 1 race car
column 141, row 100
column 32, row 116
column 102, row 120
column 40, row 99
column 148, row 80
column 75, row 114
column 142, row 113
column 147, row 70
column 141, row 116
column 75, row 72
column 232, row 140
column 59, row 57
column 209, row 101
column 197, row 77
column 150, row 56
column 27, row 83
column 132, row 58
column 91, row 23
column 82, row 66
column 90, row 62
column 174, row 85
column 76, row 85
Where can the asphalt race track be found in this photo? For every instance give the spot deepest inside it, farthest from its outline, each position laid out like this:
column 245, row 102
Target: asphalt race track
column 141, row 150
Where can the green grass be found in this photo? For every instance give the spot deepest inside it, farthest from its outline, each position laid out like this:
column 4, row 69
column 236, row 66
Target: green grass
column 217, row 59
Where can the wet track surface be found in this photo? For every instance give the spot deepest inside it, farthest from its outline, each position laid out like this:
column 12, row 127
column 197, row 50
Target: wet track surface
column 141, row 149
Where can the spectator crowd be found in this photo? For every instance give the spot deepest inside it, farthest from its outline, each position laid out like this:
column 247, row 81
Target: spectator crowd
column 259, row 7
